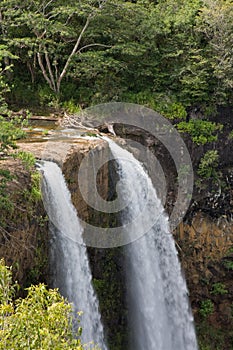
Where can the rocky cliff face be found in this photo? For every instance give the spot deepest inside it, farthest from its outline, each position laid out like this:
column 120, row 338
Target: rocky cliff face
column 205, row 249
column 23, row 229
column 204, row 239
column 24, row 222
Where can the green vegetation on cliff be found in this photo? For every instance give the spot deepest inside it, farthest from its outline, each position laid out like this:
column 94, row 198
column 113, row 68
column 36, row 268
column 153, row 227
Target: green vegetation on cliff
column 42, row 320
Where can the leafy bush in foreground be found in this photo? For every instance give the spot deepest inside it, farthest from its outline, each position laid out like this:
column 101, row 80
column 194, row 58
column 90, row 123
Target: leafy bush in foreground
column 43, row 320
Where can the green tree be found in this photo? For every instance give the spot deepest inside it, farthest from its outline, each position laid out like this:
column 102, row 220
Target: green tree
column 5, row 67
column 180, row 60
column 91, row 51
column 51, row 32
column 43, row 320
column 10, row 131
column 109, row 42
column 127, row 65
column 216, row 25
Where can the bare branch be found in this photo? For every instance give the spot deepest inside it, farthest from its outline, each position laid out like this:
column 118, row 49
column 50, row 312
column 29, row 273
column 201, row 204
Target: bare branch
column 56, row 70
column 2, row 71
column 51, row 16
column 31, row 72
column 91, row 16
column 73, row 52
column 69, row 18
column 44, row 6
column 44, row 70
column 50, row 70
column 14, row 241
column 48, row 3
column 38, row 35
column 90, row 45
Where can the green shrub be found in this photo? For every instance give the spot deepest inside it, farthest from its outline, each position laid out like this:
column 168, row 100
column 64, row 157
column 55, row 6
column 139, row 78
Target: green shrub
column 35, row 186
column 9, row 133
column 201, row 131
column 171, row 110
column 7, row 289
column 207, row 308
column 71, row 107
column 208, row 165
column 47, row 98
column 5, row 202
column 23, row 93
column 204, row 347
column 167, row 106
column 230, row 136
column 228, row 264
column 27, row 158
column 43, row 320
column 218, row 289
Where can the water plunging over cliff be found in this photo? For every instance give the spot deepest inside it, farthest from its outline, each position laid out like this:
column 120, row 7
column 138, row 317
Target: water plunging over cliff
column 160, row 316
column 68, row 256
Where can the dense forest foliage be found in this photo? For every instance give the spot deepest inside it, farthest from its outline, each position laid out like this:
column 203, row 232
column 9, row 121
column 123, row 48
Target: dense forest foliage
column 170, row 55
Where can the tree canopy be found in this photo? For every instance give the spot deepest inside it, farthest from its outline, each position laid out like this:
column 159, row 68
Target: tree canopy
column 96, row 51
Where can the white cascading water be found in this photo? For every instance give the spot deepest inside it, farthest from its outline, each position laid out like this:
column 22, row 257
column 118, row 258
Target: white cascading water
column 160, row 316
column 68, row 258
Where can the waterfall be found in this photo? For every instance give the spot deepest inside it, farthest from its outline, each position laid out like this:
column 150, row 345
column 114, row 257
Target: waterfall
column 68, row 256
column 160, row 316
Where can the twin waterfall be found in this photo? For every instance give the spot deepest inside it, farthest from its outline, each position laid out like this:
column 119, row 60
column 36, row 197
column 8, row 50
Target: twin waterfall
column 159, row 314
column 160, row 318
column 68, row 258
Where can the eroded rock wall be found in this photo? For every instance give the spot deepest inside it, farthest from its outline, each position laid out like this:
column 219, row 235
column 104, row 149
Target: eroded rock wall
column 23, row 231
column 205, row 249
